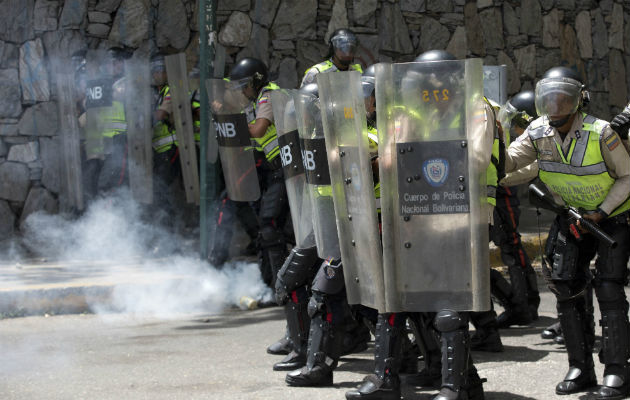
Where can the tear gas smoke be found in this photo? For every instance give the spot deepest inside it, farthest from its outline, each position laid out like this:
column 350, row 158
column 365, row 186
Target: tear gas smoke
column 154, row 272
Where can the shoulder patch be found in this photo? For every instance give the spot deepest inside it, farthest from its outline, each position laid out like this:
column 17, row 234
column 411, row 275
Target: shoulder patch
column 612, row 141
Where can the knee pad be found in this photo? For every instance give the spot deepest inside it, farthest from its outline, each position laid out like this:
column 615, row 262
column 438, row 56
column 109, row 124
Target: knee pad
column 329, row 278
column 610, row 294
column 270, row 236
column 448, row 321
column 316, row 305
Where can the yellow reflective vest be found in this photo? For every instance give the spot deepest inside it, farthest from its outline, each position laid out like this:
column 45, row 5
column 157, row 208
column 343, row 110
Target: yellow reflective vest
column 581, row 178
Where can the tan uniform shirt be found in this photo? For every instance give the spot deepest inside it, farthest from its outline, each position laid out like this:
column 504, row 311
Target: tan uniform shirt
column 522, row 152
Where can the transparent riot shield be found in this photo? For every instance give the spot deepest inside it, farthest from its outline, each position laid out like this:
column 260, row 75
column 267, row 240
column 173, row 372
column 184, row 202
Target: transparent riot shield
column 315, row 160
column 232, row 133
column 495, row 83
column 98, row 96
column 434, row 148
column 345, row 128
column 137, row 101
column 182, row 114
column 69, row 93
column 293, row 167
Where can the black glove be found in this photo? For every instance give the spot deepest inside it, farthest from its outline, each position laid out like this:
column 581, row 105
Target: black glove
column 621, row 123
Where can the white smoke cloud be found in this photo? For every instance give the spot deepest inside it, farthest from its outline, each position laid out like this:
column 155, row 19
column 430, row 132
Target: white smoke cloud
column 153, row 271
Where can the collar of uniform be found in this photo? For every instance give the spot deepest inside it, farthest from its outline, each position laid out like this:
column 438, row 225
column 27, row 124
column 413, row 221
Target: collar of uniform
column 576, row 126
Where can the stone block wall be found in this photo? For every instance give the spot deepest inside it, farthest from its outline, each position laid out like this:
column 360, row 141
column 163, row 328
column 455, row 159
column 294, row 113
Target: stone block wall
column 528, row 36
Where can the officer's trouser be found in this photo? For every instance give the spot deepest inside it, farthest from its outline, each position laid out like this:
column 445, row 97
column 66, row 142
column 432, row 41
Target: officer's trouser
column 115, row 170
column 272, row 215
column 505, row 235
column 574, row 312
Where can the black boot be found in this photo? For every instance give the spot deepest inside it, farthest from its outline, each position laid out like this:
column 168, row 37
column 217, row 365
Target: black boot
column 579, row 340
column 456, row 361
column 517, row 311
column 298, row 324
column 324, row 349
column 384, row 384
column 614, row 355
column 551, row 331
column 429, row 344
column 486, row 336
column 281, row 347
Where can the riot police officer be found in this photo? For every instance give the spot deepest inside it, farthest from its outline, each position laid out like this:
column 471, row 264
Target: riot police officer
column 583, row 163
column 342, row 47
column 250, row 75
column 520, row 297
column 113, row 172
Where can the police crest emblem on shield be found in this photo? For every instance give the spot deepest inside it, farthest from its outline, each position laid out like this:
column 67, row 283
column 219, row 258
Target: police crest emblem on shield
column 435, row 171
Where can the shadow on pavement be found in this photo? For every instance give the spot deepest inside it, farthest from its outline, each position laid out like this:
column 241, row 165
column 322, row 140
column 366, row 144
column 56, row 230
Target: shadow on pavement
column 218, row 321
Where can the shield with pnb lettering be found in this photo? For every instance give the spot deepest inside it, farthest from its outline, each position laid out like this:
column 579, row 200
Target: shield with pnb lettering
column 229, row 108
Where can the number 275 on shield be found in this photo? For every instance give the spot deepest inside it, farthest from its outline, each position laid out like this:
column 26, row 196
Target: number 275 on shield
column 435, row 95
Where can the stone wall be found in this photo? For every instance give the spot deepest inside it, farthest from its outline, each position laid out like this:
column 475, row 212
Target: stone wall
column 528, row 36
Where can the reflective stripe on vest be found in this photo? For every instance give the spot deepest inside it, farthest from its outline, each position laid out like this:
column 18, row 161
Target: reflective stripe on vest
column 269, row 142
column 581, row 177
column 114, row 122
column 164, row 137
column 328, row 64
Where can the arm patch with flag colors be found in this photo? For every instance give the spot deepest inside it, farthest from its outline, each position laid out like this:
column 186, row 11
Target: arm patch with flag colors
column 612, row 141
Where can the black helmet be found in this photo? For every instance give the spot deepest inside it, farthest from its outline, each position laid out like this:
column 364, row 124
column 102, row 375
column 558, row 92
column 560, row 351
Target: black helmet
column 561, row 72
column 370, row 71
column 344, row 40
column 118, row 53
column 368, row 85
column 310, row 89
column 157, row 62
column 560, row 92
column 524, row 103
column 519, row 111
column 435, row 55
column 249, row 70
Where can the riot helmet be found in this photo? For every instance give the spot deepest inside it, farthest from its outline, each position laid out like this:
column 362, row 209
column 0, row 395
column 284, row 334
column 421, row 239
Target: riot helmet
column 435, row 55
column 516, row 114
column 250, row 75
column 309, row 96
column 158, row 70
column 116, row 57
column 559, row 95
column 370, row 71
column 342, row 46
column 439, row 76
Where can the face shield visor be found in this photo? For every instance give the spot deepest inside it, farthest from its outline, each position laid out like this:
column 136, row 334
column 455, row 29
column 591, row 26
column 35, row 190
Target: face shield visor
column 345, row 44
column 510, row 117
column 557, row 97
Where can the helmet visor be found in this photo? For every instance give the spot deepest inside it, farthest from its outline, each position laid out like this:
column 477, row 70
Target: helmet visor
column 345, row 44
column 509, row 116
column 239, row 84
column 557, row 96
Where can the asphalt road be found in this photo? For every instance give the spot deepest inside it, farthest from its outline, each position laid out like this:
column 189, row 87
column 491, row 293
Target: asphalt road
column 122, row 356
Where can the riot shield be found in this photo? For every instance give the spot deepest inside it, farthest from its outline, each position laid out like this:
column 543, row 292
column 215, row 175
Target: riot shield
column 232, row 134
column 433, row 155
column 345, row 128
column 68, row 93
column 137, row 101
column 293, row 167
column 495, row 83
column 98, row 98
column 313, row 146
column 182, row 114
